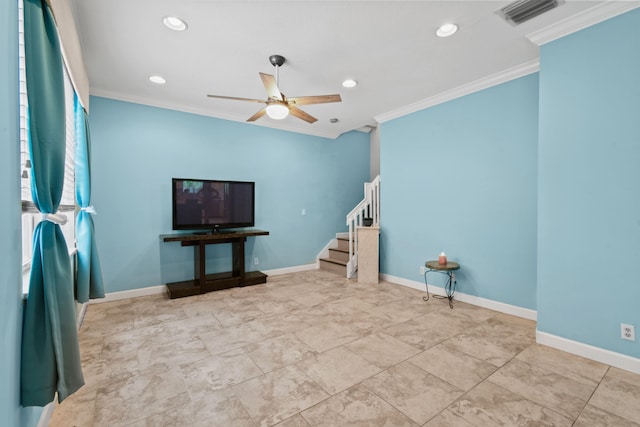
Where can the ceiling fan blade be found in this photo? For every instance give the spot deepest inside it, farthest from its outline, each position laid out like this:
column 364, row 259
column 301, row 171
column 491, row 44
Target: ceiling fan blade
column 301, row 114
column 238, row 99
column 257, row 115
column 320, row 99
column 270, row 85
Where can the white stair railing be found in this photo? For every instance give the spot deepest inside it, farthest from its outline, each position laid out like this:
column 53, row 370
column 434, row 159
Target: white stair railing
column 368, row 208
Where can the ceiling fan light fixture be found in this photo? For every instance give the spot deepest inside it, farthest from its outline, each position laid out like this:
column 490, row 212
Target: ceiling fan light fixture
column 447, row 30
column 277, row 111
column 174, row 23
column 279, row 106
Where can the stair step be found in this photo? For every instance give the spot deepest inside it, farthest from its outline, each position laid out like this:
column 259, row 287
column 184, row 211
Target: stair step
column 339, row 254
column 333, row 265
column 343, row 243
column 334, row 261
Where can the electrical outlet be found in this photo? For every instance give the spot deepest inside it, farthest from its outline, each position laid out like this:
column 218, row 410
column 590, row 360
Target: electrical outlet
column 627, row 332
column 256, row 261
column 304, row 212
column 422, row 269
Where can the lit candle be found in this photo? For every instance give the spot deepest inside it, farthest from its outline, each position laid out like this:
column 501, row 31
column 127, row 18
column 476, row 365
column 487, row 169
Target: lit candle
column 442, row 259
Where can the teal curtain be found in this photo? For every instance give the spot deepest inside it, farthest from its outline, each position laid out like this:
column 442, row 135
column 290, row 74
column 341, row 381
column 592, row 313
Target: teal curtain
column 50, row 352
column 89, row 282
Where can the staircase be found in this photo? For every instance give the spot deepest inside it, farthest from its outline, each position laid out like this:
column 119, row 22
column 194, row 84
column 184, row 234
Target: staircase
column 341, row 254
column 336, row 256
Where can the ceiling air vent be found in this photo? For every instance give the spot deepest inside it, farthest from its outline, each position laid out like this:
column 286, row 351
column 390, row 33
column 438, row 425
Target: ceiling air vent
column 523, row 10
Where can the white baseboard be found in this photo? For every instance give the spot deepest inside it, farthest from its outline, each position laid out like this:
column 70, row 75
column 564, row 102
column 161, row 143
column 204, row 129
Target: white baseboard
column 601, row 355
column 514, row 310
column 471, row 299
column 80, row 316
column 133, row 293
column 333, row 244
column 295, row 269
column 161, row 289
column 47, row 412
column 324, row 253
column 608, row 357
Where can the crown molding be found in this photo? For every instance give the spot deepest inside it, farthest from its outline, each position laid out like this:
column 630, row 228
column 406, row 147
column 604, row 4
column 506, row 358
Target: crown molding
column 202, row 112
column 512, row 73
column 600, row 12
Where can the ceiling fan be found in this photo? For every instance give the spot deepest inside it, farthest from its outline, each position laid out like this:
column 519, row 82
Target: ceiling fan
column 278, row 105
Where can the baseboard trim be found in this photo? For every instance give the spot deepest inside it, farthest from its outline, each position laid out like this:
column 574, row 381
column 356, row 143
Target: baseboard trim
column 47, row 412
column 133, row 293
column 471, row 299
column 80, row 316
column 513, row 310
column 287, row 270
column 324, row 253
column 161, row 289
column 618, row 360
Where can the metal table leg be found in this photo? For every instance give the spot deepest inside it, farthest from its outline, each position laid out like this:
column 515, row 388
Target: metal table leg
column 449, row 288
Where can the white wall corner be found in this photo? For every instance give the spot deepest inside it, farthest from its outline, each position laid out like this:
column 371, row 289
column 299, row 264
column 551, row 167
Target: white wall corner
column 598, row 13
column 618, row 360
column 504, row 76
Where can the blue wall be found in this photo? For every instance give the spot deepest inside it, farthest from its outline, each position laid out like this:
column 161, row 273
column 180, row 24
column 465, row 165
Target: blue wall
column 460, row 177
column 137, row 149
column 589, row 185
column 11, row 413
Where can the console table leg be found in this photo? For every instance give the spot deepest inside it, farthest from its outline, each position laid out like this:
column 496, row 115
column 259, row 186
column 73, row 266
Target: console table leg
column 199, row 265
column 237, row 248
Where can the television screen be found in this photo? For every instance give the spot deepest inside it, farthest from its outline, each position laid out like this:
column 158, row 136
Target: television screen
column 212, row 204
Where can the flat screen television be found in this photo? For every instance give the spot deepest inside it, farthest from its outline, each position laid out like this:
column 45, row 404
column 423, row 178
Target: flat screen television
column 200, row 204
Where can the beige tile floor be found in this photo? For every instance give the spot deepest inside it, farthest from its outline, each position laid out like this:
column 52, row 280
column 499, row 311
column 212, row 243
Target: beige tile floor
column 314, row 349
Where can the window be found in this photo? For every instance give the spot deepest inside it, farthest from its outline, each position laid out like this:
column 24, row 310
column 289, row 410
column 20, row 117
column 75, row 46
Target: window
column 30, row 215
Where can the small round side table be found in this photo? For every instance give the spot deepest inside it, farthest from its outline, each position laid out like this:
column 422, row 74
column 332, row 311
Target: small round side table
column 448, row 269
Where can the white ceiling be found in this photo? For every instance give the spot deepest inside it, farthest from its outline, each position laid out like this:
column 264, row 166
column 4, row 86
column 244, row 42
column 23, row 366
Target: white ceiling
column 389, row 47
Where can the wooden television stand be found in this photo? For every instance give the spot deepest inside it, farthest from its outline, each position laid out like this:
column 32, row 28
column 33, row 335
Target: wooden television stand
column 203, row 282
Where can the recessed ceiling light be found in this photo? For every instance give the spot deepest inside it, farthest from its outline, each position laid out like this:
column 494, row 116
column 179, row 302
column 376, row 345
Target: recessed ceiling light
column 447, row 30
column 159, row 80
column 174, row 23
column 349, row 83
